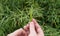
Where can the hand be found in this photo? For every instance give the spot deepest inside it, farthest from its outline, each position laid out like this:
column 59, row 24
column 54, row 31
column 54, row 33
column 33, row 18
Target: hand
column 35, row 29
column 19, row 32
column 31, row 29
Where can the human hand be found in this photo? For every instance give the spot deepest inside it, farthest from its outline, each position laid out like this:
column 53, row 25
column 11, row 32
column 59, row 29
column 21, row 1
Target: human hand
column 31, row 29
column 35, row 29
column 19, row 32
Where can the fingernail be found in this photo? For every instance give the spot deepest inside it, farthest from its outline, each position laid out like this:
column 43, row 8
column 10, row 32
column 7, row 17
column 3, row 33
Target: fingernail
column 31, row 22
column 24, row 26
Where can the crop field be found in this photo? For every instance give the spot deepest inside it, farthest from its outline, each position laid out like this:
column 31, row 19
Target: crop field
column 14, row 14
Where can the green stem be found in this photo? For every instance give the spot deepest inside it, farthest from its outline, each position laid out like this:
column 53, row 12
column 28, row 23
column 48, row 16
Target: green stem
column 31, row 13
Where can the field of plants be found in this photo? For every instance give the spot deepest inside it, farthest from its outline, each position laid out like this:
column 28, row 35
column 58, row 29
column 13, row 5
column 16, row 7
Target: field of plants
column 14, row 14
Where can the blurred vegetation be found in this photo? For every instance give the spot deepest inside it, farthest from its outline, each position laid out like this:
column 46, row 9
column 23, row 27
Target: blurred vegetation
column 14, row 14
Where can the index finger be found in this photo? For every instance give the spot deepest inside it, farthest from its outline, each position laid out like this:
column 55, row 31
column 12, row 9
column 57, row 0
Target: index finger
column 37, row 26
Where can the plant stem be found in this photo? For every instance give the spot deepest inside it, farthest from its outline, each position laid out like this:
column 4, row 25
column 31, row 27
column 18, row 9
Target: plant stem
column 31, row 13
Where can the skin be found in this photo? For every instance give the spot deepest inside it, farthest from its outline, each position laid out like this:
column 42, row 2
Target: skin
column 31, row 29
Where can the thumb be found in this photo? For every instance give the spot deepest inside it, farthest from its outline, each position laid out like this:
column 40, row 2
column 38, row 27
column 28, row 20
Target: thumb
column 32, row 28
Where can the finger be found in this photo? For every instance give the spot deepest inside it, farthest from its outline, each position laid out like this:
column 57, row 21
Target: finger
column 38, row 27
column 24, row 33
column 26, row 28
column 32, row 28
column 17, row 32
column 35, row 22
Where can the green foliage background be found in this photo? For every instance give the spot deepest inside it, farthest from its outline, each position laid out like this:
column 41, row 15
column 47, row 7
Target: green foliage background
column 14, row 14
